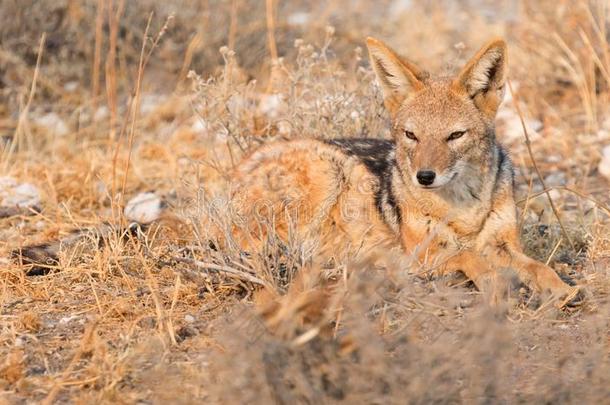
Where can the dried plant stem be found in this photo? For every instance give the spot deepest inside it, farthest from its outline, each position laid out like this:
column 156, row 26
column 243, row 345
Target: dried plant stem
column 527, row 200
column 136, row 103
column 114, row 202
column 223, row 269
column 135, row 110
column 111, row 73
column 536, row 169
column 193, row 46
column 171, row 308
column 163, row 320
column 595, row 201
column 600, row 29
column 233, row 25
column 548, row 260
column 574, row 65
column 97, row 53
column 22, row 123
column 270, row 13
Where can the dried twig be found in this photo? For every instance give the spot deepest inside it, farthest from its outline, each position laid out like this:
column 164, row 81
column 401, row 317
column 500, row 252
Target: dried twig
column 580, row 194
column 271, row 29
column 97, row 52
column 223, row 269
column 22, row 123
column 536, row 169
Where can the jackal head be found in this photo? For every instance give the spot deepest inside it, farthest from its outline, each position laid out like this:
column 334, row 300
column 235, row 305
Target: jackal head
column 443, row 128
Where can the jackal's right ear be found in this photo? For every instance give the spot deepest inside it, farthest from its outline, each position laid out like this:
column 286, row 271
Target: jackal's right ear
column 398, row 78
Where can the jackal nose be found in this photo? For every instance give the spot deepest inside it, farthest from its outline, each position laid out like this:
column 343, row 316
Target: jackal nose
column 425, row 177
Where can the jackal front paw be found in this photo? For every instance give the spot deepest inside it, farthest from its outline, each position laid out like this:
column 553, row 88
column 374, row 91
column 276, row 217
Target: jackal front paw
column 569, row 296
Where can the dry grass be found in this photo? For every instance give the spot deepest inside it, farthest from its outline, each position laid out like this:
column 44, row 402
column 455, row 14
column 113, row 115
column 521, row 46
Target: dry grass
column 157, row 315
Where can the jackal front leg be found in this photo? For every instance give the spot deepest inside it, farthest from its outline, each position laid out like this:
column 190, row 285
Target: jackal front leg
column 499, row 243
column 476, row 269
column 539, row 276
column 433, row 252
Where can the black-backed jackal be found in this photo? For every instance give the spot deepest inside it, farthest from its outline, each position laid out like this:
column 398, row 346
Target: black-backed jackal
column 440, row 191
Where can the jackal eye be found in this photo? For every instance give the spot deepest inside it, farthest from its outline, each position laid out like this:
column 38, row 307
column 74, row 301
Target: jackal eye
column 455, row 135
column 410, row 135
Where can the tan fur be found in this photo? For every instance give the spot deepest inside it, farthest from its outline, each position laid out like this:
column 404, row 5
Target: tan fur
column 320, row 191
column 465, row 221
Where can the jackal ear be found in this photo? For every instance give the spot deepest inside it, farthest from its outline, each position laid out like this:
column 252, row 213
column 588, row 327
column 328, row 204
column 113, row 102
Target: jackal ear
column 398, row 78
column 484, row 76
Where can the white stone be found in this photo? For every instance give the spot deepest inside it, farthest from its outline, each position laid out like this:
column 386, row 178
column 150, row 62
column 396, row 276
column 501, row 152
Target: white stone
column 71, row 86
column 67, row 319
column 54, row 123
column 101, row 191
column 149, row 103
column 299, row 18
column 512, row 129
column 555, row 179
column 603, row 134
column 400, row 6
column 284, row 128
column 144, row 208
column 6, row 183
column 199, row 125
column 604, row 164
column 13, row 194
column 101, row 113
column 271, row 105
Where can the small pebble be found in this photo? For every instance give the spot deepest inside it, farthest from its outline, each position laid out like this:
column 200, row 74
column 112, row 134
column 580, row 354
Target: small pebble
column 604, row 164
column 67, row 319
column 144, row 208
column 54, row 123
column 14, row 194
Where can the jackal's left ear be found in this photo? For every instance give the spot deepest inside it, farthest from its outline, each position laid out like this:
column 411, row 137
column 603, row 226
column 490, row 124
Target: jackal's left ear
column 398, row 78
column 484, row 76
